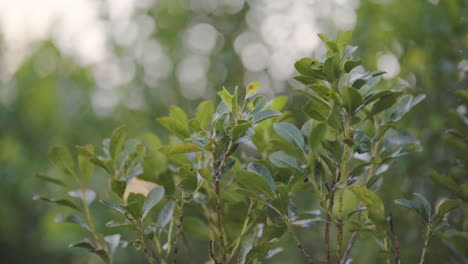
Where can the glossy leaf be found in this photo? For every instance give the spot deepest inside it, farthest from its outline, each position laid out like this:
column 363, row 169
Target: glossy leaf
column 117, row 141
column 290, row 133
column 62, row 159
column 205, row 111
column 50, row 179
column 374, row 204
column 283, row 160
column 166, row 214
column 265, row 114
column 255, row 182
column 154, row 197
column 317, row 109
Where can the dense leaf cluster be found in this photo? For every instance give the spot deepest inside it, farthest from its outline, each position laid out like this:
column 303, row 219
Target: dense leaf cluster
column 232, row 174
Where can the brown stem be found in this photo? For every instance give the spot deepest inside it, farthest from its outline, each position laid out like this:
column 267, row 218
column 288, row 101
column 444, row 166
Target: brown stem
column 150, row 254
column 395, row 242
column 347, row 253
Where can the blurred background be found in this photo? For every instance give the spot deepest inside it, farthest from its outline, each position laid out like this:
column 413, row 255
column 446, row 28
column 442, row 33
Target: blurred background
column 73, row 70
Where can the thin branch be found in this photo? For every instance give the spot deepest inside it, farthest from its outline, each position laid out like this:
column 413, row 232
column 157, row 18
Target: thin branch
column 328, row 225
column 212, row 254
column 299, row 243
column 351, row 242
column 339, row 225
column 179, row 229
column 395, row 242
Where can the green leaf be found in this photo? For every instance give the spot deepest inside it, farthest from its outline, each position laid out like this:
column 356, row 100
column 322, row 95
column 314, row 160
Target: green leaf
column 335, row 148
column 352, row 99
column 226, row 97
column 259, row 104
column 62, row 202
column 240, row 129
column 118, row 187
column 322, row 90
column 263, row 171
column 278, row 103
column 113, row 206
column 50, row 179
column 101, row 162
column 444, row 208
column 265, row 114
column 175, row 126
column 336, row 118
column 85, row 165
column 412, row 206
column 117, row 142
column 317, row 133
column 251, row 90
column 194, row 226
column 205, row 111
column 304, row 67
column 376, row 210
column 306, row 80
column 180, row 148
column 62, row 159
column 74, row 220
column 259, row 251
column 255, row 182
column 290, row 133
column 425, row 203
column 114, row 223
column 283, row 160
column 317, row 109
column 329, row 68
column 166, row 214
column 205, row 173
column 363, row 142
column 154, row 197
column 178, row 114
column 351, row 64
column 87, row 244
column 344, row 38
column 246, row 246
column 235, row 102
column 384, row 103
column 134, row 205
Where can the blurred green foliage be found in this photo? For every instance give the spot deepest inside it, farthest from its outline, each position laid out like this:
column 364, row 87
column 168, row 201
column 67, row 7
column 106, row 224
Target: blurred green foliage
column 429, row 39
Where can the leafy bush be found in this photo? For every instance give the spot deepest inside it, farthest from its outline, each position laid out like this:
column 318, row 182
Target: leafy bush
column 234, row 175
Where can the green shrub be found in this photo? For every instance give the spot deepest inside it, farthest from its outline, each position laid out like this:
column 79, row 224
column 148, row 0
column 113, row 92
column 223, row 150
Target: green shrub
column 233, row 174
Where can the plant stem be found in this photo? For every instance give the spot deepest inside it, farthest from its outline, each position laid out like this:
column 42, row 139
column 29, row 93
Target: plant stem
column 427, row 237
column 298, row 243
column 150, row 254
column 395, row 242
column 339, row 225
column 179, row 229
column 218, row 167
column 351, row 242
column 386, row 247
column 327, row 225
column 220, row 221
column 243, row 231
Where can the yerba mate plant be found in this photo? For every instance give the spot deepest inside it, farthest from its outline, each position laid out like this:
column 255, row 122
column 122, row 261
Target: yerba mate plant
column 234, row 175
